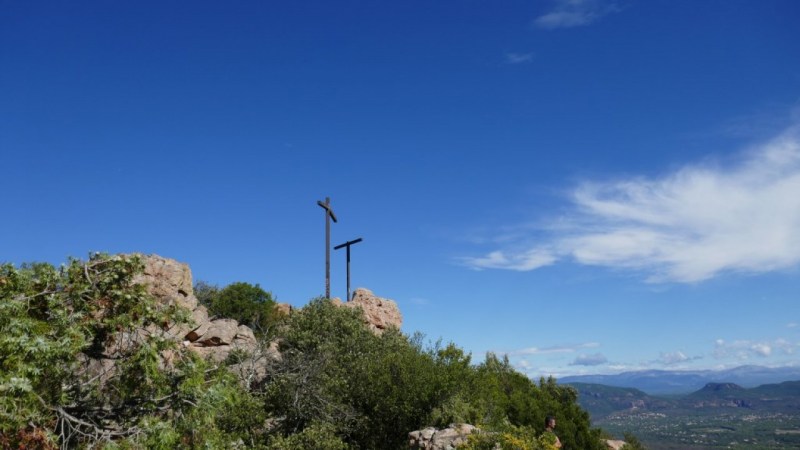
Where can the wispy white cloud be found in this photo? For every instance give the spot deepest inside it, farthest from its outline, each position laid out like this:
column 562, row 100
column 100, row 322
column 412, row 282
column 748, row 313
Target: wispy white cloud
column 589, row 360
column 673, row 358
column 519, row 58
column 523, row 365
column 786, row 347
column 569, row 348
column 791, row 325
column 574, row 13
column 746, row 349
column 686, row 226
column 529, row 260
column 419, row 301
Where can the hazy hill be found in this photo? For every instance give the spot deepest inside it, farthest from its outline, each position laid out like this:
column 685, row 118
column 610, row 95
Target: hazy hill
column 783, row 397
column 601, row 400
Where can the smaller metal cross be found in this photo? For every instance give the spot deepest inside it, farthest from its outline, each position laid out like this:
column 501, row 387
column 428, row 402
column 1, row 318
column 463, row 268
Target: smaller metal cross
column 348, row 244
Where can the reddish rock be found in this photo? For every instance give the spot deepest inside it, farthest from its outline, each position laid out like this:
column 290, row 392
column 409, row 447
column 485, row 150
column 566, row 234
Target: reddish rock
column 283, row 309
column 614, row 444
column 380, row 314
column 168, row 280
column 219, row 332
column 454, row 436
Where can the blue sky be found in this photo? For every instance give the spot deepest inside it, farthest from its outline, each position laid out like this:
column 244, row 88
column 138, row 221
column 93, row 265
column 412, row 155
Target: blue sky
column 586, row 186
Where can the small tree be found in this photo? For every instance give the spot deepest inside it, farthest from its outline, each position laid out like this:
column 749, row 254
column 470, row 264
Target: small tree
column 248, row 304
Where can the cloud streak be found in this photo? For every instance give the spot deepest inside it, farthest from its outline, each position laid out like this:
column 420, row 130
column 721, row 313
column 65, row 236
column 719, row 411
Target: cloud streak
column 673, row 358
column 686, row 226
column 745, row 349
column 518, row 58
column 589, row 360
column 574, row 13
column 555, row 349
column 522, row 262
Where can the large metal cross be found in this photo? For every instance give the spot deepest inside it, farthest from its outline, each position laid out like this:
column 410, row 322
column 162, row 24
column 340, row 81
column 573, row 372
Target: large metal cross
column 328, row 216
column 348, row 244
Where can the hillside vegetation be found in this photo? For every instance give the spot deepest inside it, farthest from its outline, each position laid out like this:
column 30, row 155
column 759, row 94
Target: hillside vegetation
column 336, row 384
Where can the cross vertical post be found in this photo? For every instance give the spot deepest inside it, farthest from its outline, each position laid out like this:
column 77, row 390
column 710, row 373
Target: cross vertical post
column 348, row 244
column 328, row 216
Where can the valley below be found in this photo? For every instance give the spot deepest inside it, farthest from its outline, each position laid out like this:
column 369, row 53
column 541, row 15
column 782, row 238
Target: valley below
column 719, row 415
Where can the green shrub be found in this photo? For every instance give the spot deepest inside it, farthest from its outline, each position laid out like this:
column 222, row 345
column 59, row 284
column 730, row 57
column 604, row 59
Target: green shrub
column 314, row 437
column 246, row 303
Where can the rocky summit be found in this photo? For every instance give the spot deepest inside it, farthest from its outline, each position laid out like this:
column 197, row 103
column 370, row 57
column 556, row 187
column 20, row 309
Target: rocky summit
column 214, row 338
column 380, row 314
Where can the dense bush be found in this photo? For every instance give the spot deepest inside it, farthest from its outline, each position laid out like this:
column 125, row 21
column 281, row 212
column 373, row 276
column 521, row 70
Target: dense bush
column 248, row 304
column 53, row 322
column 374, row 389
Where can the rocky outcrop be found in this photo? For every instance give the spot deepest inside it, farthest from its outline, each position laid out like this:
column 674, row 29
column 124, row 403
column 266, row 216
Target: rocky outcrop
column 447, row 439
column 170, row 282
column 380, row 314
column 284, row 309
column 455, row 435
column 614, row 444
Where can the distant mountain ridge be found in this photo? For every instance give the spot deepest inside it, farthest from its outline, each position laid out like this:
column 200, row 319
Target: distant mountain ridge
column 672, row 382
column 602, row 401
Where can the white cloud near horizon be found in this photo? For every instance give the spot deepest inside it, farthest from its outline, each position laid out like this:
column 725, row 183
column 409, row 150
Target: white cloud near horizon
column 745, row 349
column 686, row 226
column 574, row 13
column 673, row 358
column 589, row 360
column 523, row 262
column 570, row 348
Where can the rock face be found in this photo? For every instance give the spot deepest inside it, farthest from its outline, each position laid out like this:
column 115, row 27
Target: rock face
column 447, row 439
column 380, row 314
column 284, row 308
column 170, row 282
column 614, row 444
column 457, row 434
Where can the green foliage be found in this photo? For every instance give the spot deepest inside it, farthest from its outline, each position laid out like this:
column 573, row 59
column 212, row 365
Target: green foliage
column 248, row 304
column 205, row 292
column 317, row 436
column 632, row 443
column 49, row 318
column 506, row 437
column 403, row 383
column 322, row 347
column 375, row 389
column 59, row 325
column 500, row 396
column 336, row 386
